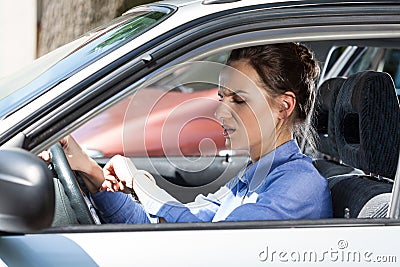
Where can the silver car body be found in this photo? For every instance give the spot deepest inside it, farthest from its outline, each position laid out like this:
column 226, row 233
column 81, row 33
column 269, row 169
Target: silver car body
column 336, row 242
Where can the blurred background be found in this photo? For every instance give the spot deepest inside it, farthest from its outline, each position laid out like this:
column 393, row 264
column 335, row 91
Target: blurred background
column 32, row 28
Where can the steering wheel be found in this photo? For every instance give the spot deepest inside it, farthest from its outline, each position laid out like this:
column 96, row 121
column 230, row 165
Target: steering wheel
column 71, row 186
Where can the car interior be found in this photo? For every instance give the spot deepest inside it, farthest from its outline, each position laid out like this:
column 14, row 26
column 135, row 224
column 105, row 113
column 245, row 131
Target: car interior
column 356, row 119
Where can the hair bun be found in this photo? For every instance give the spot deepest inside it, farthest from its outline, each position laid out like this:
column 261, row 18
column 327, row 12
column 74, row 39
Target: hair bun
column 307, row 58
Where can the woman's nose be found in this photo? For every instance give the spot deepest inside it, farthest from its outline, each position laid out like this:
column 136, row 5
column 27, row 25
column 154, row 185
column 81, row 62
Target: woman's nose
column 222, row 112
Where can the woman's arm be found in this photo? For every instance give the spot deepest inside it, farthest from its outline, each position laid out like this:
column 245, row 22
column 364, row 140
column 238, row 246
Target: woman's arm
column 119, row 208
column 80, row 161
column 121, row 173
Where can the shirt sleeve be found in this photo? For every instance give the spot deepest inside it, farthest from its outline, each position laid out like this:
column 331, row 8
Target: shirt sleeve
column 155, row 202
column 158, row 202
column 203, row 209
column 119, row 208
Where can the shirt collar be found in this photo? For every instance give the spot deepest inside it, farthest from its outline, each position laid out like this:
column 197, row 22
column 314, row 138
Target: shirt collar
column 254, row 174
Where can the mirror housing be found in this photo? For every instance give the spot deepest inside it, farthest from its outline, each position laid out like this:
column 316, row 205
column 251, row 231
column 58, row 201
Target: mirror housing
column 27, row 197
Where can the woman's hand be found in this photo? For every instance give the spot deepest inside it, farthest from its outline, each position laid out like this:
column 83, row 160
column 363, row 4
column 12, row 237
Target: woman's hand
column 92, row 173
column 117, row 173
column 77, row 157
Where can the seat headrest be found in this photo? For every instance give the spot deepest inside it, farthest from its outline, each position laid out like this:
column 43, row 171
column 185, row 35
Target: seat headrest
column 324, row 115
column 367, row 123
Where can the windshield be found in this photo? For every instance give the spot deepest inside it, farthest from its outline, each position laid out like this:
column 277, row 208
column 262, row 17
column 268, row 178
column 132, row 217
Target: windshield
column 51, row 69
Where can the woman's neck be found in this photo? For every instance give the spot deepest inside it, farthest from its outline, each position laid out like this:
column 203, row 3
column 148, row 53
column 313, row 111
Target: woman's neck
column 281, row 138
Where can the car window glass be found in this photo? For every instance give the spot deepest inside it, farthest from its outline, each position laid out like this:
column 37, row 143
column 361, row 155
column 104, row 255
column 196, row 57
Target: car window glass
column 334, row 56
column 391, row 65
column 378, row 59
column 365, row 61
column 63, row 62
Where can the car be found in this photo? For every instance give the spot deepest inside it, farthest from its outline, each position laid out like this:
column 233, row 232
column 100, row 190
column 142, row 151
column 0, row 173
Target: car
column 101, row 136
column 155, row 71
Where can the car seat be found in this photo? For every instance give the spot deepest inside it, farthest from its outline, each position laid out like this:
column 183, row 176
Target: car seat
column 327, row 163
column 367, row 130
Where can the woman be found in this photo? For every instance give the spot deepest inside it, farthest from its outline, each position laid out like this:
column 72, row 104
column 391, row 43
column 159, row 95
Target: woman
column 267, row 95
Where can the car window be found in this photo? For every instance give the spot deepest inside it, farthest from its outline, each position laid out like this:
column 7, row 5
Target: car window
column 391, row 65
column 378, row 59
column 363, row 58
column 367, row 61
column 335, row 54
column 171, row 118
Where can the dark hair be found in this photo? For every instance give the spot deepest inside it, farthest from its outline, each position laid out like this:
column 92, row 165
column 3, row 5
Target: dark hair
column 282, row 68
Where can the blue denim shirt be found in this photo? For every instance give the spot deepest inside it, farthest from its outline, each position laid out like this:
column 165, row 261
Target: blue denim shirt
column 282, row 185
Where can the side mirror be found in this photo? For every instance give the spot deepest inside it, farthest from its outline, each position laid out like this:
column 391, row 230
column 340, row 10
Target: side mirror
column 26, row 192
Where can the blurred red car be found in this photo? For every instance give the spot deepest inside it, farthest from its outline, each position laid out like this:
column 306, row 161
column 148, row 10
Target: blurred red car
column 177, row 123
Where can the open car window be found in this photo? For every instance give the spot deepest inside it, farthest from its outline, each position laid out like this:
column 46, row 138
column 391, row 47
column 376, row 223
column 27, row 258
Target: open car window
column 168, row 128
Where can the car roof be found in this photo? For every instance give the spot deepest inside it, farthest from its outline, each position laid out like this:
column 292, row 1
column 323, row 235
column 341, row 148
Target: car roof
column 236, row 3
column 227, row 4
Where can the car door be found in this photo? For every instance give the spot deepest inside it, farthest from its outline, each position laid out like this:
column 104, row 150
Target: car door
column 331, row 241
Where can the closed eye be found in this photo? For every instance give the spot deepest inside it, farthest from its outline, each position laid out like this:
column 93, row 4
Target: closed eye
column 237, row 99
column 234, row 97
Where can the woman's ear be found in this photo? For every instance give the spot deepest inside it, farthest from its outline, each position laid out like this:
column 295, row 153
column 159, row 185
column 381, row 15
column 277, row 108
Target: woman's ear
column 287, row 104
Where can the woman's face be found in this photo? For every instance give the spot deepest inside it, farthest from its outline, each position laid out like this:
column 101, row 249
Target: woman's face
column 244, row 112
